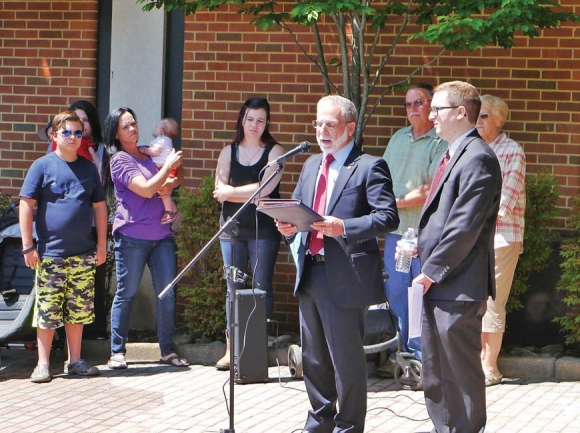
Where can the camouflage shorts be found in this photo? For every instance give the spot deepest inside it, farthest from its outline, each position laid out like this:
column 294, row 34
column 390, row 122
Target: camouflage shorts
column 65, row 291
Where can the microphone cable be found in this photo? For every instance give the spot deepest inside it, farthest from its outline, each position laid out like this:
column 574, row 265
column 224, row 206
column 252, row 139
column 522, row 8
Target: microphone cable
column 396, row 396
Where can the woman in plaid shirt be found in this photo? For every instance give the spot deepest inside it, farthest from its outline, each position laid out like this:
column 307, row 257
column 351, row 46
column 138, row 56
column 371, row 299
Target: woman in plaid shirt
column 509, row 236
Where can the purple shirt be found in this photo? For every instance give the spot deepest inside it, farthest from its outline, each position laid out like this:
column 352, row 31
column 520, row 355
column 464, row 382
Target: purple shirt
column 136, row 216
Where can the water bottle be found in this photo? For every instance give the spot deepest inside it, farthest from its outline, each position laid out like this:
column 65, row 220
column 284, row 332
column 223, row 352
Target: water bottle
column 405, row 254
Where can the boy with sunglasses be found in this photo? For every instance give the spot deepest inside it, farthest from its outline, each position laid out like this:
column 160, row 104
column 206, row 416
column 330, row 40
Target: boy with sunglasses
column 67, row 192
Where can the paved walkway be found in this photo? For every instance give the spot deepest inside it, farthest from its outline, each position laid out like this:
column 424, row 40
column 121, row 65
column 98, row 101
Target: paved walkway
column 148, row 397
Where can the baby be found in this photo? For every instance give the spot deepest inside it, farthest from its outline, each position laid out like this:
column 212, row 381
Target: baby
column 163, row 134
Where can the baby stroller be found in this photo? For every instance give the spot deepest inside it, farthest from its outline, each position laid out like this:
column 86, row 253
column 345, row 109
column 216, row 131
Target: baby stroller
column 16, row 286
column 381, row 334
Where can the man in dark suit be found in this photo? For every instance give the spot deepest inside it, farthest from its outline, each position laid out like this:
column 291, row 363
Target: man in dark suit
column 455, row 246
column 339, row 266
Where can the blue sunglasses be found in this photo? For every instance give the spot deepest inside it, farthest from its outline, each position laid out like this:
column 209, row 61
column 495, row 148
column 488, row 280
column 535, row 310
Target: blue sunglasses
column 66, row 133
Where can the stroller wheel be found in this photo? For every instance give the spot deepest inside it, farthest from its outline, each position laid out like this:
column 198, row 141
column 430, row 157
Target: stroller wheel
column 409, row 374
column 295, row 361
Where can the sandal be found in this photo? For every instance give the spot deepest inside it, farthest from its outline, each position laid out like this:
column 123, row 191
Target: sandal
column 491, row 379
column 174, row 361
column 168, row 217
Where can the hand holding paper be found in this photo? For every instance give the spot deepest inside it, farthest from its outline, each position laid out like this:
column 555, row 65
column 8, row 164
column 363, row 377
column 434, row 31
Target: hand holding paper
column 290, row 211
column 285, row 229
column 415, row 294
column 424, row 281
column 330, row 226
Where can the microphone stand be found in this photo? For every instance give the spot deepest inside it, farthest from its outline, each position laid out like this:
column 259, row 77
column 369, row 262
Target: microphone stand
column 232, row 274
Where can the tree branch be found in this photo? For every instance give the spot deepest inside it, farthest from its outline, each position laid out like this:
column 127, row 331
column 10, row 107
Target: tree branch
column 359, row 23
column 394, row 44
column 400, row 82
column 320, row 50
column 342, row 41
column 321, row 65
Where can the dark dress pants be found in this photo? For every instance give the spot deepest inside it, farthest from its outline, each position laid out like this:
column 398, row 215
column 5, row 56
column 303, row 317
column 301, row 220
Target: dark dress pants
column 333, row 357
column 453, row 378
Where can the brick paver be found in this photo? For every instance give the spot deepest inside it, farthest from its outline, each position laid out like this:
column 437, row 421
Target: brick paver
column 148, row 397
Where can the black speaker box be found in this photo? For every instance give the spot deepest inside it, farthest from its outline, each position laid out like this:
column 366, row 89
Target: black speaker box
column 251, row 337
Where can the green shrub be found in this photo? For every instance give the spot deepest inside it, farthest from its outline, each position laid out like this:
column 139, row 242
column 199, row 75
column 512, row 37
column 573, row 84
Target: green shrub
column 541, row 198
column 569, row 282
column 5, row 201
column 203, row 291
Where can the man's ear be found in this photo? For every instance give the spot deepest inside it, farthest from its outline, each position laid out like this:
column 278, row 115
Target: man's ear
column 351, row 127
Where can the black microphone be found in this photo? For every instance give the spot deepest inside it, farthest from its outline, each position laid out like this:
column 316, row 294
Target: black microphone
column 303, row 147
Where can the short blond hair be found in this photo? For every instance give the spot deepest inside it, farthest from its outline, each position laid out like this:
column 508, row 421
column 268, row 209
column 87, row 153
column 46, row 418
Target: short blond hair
column 462, row 94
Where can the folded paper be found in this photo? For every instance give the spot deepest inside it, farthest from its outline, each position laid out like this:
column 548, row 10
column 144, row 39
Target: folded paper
column 415, row 294
column 290, row 211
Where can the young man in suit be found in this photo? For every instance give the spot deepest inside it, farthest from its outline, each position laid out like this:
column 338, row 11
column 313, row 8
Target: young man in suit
column 339, row 270
column 455, row 245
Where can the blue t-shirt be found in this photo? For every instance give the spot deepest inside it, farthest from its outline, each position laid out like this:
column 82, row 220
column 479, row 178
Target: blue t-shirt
column 65, row 193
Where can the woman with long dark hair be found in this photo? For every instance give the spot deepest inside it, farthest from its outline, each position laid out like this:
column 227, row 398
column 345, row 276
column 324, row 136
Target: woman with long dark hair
column 91, row 123
column 237, row 178
column 139, row 236
column 91, row 140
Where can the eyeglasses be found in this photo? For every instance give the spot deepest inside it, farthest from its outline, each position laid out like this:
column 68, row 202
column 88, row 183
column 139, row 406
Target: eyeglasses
column 329, row 125
column 66, row 133
column 483, row 116
column 435, row 110
column 416, row 104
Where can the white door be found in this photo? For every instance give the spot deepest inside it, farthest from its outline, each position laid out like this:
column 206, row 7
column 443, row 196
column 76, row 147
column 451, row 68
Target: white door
column 137, row 60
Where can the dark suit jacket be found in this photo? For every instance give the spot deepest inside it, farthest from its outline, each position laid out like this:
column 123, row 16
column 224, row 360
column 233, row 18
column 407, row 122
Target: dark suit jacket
column 362, row 197
column 457, row 227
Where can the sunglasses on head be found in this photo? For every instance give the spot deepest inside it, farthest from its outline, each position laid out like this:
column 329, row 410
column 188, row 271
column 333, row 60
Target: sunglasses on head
column 66, row 133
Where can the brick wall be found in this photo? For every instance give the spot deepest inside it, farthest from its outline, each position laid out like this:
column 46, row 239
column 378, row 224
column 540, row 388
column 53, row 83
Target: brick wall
column 48, row 60
column 227, row 61
column 48, row 54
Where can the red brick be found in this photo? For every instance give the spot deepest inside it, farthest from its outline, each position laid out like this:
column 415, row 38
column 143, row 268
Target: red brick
column 568, row 149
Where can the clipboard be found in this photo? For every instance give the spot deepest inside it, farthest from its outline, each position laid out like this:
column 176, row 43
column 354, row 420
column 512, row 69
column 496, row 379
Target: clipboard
column 290, row 211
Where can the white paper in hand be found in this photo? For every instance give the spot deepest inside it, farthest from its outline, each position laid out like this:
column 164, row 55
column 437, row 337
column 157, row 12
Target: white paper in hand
column 415, row 293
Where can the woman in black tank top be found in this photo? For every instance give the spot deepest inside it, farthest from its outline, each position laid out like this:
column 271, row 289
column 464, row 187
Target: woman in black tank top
column 237, row 179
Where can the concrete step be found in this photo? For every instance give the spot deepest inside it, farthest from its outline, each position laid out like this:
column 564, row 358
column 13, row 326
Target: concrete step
column 98, row 351
column 564, row 368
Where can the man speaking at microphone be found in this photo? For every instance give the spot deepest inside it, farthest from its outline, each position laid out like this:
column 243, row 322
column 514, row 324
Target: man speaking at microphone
column 339, row 266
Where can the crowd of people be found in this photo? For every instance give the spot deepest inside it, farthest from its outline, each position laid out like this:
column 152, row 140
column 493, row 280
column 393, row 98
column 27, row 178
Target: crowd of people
column 452, row 175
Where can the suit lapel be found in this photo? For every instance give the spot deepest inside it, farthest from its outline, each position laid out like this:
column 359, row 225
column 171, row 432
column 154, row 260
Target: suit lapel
column 309, row 183
column 344, row 174
column 450, row 165
column 458, row 153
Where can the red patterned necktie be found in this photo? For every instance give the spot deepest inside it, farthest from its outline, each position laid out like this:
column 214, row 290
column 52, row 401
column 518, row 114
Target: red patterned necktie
column 437, row 176
column 316, row 238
